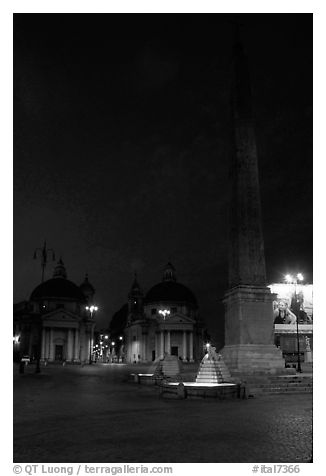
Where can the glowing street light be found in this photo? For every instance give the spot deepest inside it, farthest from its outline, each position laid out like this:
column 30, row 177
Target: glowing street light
column 91, row 309
column 294, row 280
column 164, row 313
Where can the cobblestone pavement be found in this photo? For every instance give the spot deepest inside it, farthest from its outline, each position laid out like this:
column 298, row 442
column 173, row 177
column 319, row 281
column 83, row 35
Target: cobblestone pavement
column 77, row 414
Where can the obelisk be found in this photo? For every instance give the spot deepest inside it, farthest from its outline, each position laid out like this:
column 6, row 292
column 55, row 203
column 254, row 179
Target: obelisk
column 248, row 302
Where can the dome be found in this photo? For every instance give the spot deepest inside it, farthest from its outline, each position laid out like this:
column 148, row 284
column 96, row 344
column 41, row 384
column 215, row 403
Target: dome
column 58, row 288
column 170, row 291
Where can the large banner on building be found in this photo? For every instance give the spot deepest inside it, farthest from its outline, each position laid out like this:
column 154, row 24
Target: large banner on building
column 292, row 301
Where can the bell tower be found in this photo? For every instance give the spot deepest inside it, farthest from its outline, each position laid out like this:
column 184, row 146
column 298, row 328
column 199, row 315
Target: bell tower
column 135, row 301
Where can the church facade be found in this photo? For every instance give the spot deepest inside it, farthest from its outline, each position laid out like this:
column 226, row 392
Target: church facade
column 163, row 321
column 56, row 324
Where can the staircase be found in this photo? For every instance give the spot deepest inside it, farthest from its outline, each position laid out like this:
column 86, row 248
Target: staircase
column 278, row 384
column 170, row 366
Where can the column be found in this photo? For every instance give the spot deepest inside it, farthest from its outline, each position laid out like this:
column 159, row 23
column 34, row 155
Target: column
column 191, row 347
column 156, row 346
column 91, row 344
column 76, row 346
column 162, row 344
column 144, row 349
column 184, row 346
column 43, row 344
column 82, row 344
column 69, row 346
column 51, row 352
column 168, row 343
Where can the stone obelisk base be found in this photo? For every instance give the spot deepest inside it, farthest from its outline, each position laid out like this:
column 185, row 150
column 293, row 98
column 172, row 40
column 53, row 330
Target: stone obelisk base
column 253, row 358
column 249, row 331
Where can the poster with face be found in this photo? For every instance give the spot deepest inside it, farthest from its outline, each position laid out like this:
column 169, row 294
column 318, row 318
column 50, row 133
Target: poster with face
column 291, row 302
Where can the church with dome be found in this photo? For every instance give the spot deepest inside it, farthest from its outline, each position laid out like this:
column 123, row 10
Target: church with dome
column 55, row 324
column 164, row 321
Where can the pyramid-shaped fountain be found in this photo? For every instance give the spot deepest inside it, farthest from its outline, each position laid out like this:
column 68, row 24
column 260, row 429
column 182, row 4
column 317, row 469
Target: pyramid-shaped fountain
column 213, row 369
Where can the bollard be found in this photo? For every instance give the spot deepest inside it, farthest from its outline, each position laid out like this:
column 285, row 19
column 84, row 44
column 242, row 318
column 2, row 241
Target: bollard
column 137, row 378
column 181, row 391
column 244, row 395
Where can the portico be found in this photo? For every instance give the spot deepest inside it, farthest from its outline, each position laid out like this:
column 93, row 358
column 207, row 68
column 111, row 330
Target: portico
column 177, row 342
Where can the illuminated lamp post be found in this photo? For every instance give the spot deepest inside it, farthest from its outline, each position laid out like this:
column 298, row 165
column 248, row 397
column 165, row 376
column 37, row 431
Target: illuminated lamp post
column 39, row 346
column 101, row 347
column 164, row 313
column 92, row 310
column 120, row 359
column 294, row 280
column 106, row 337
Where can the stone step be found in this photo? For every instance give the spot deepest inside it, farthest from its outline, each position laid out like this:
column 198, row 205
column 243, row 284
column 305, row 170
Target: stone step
column 213, row 367
column 212, row 379
column 290, row 390
column 210, row 372
column 285, row 384
column 299, row 381
column 208, row 381
column 278, row 384
column 271, row 389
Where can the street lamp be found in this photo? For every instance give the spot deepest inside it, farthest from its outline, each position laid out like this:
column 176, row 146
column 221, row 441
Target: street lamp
column 92, row 310
column 164, row 313
column 294, row 280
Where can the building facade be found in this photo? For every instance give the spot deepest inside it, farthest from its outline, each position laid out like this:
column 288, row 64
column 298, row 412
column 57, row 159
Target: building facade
column 164, row 321
column 56, row 324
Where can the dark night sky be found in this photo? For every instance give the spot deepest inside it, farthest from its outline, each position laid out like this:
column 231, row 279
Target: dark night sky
column 121, row 148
